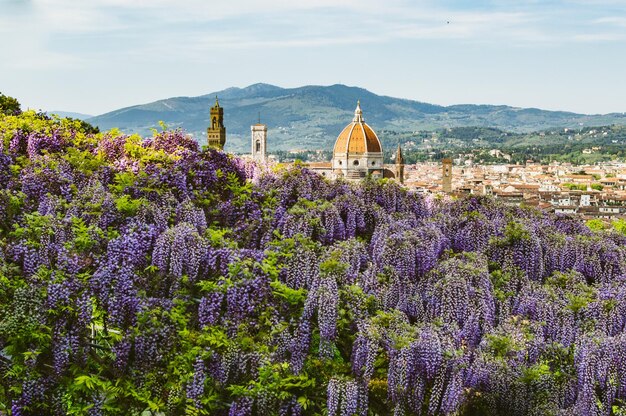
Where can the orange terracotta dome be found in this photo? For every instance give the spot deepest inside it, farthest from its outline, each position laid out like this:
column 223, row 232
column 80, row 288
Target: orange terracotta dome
column 357, row 137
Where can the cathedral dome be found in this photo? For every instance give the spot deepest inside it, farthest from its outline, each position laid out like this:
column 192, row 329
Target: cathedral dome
column 357, row 137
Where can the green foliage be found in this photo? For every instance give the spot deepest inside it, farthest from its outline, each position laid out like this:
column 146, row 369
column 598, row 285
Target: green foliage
column 9, row 105
column 535, row 373
column 333, row 265
column 292, row 296
column 35, row 227
column 579, row 301
column 84, row 126
column 82, row 160
column 501, row 345
column 559, row 280
column 514, row 232
column 561, row 362
column 619, row 409
column 123, row 181
column 240, row 191
column 278, row 381
column 619, row 226
column 500, row 281
column 84, row 235
column 575, row 186
column 596, row 225
column 127, row 205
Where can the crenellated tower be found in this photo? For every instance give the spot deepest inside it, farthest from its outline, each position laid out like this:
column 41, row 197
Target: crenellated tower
column 216, row 133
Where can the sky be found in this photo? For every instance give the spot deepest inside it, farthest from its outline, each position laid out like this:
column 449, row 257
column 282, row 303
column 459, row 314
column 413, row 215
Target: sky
column 95, row 56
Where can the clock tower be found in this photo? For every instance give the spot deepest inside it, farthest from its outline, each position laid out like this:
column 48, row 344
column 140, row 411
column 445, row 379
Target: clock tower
column 259, row 142
column 216, row 133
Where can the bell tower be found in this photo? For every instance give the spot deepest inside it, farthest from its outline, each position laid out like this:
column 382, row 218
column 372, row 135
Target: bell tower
column 399, row 165
column 216, row 132
column 446, row 178
column 259, row 141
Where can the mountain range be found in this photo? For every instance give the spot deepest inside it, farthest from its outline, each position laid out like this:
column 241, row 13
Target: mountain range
column 311, row 117
column 63, row 114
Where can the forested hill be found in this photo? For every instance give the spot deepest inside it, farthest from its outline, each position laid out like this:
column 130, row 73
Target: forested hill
column 152, row 277
column 311, row 117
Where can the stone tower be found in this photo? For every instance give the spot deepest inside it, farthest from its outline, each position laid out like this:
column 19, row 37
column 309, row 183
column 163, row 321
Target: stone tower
column 399, row 165
column 259, row 141
column 216, row 133
column 446, row 179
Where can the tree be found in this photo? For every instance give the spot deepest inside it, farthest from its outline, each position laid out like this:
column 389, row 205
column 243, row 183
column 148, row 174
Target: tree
column 84, row 126
column 9, row 105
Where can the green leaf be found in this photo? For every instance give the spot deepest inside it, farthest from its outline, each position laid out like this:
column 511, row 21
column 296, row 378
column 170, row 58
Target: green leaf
column 292, row 296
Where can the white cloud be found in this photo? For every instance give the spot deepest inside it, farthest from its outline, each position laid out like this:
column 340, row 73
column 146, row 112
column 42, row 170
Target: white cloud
column 600, row 37
column 612, row 20
column 321, row 20
column 52, row 29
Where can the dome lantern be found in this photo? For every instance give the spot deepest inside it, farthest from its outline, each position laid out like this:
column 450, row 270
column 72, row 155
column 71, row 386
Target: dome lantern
column 358, row 113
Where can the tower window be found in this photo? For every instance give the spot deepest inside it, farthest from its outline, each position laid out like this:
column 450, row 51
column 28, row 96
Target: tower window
column 258, row 146
column 355, row 163
column 340, row 162
column 374, row 163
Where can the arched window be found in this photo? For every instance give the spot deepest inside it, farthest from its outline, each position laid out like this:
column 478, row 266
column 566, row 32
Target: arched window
column 258, row 145
column 355, row 163
column 214, row 122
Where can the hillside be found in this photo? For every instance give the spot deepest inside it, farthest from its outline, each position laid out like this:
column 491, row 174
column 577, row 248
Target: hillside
column 312, row 116
column 77, row 116
column 580, row 146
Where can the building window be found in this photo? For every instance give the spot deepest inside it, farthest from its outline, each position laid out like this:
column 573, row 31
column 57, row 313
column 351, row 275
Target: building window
column 355, row 163
column 373, row 163
column 340, row 162
column 258, row 146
